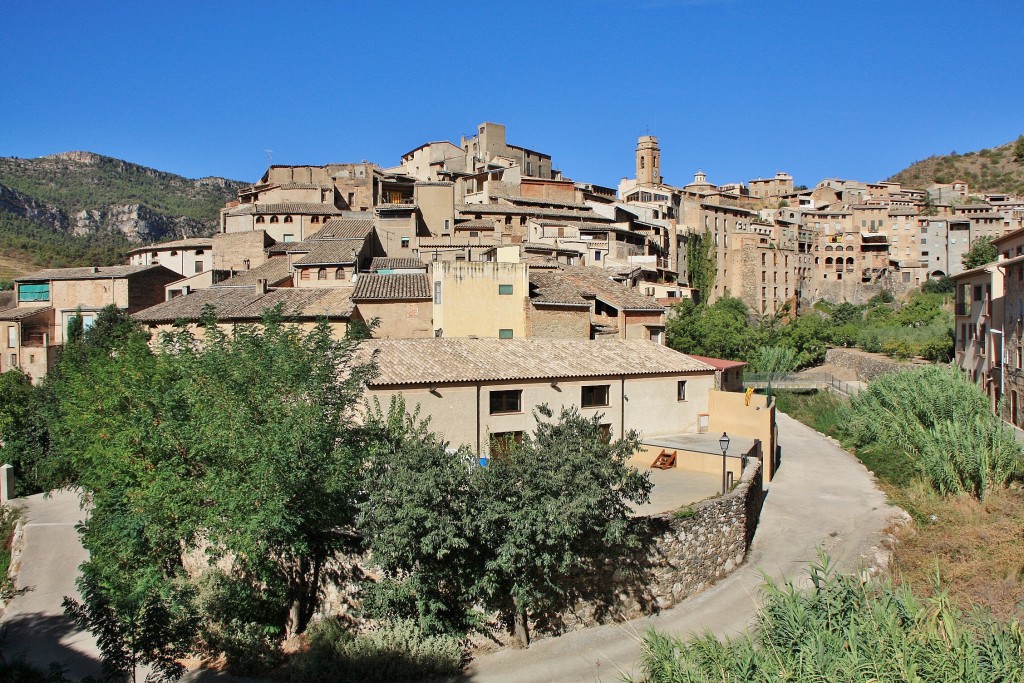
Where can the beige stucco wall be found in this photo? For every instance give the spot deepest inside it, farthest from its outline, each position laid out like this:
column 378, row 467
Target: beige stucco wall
column 689, row 461
column 235, row 249
column 470, row 304
column 728, row 412
column 651, row 406
column 399, row 319
column 181, row 261
column 437, row 205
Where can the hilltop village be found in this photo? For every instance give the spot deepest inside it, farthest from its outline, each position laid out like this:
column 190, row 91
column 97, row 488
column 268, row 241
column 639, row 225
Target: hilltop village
column 470, row 243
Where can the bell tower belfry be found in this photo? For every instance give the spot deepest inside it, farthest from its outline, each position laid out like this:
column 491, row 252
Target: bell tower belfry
column 648, row 161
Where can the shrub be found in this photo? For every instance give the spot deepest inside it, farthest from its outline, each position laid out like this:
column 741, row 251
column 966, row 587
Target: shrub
column 684, row 513
column 393, row 651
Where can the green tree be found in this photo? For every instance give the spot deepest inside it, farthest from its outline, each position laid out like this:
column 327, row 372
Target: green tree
column 1018, row 150
column 553, row 507
column 24, row 435
column 272, row 415
column 719, row 330
column 982, row 251
column 418, row 515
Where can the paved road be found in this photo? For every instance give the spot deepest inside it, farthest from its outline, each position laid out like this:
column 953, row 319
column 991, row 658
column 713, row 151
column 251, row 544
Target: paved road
column 34, row 621
column 822, row 497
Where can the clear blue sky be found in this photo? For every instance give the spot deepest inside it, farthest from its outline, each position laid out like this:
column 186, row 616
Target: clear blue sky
column 741, row 89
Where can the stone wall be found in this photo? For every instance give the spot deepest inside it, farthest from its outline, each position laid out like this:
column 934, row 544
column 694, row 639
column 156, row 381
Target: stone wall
column 868, row 366
column 680, row 557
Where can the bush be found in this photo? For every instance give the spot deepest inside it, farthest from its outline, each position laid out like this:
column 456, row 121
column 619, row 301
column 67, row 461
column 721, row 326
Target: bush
column 240, row 622
column 394, row 651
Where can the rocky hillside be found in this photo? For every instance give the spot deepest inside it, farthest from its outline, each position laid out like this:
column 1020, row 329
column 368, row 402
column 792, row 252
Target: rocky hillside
column 987, row 170
column 80, row 208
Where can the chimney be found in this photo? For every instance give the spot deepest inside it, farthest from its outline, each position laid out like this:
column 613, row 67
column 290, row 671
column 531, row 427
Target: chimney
column 185, row 289
column 261, row 285
column 95, row 270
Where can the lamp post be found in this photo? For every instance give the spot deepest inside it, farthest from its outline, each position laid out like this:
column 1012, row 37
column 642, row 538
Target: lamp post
column 724, row 444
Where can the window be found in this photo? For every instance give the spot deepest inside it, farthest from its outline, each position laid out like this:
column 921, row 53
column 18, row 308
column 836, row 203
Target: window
column 447, row 223
column 314, row 219
column 14, row 359
column 681, row 390
column 504, row 334
column 287, row 219
column 321, row 274
column 597, row 256
column 503, row 443
column 273, row 219
column 594, row 396
column 507, row 401
column 304, row 274
column 34, row 292
column 288, row 238
column 437, row 290
column 606, row 433
column 405, row 243
column 260, row 219
column 505, row 289
column 339, row 274
column 198, row 267
column 12, row 337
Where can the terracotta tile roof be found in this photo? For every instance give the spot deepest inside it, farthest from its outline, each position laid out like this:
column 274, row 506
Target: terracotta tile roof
column 250, row 303
column 505, row 209
column 191, row 243
column 596, row 283
column 310, row 208
column 12, row 314
column 330, row 252
column 395, row 263
column 274, row 271
column 438, row 361
column 345, row 228
column 87, row 273
column 475, row 224
column 395, row 207
column 719, row 363
column 547, row 287
column 392, row 286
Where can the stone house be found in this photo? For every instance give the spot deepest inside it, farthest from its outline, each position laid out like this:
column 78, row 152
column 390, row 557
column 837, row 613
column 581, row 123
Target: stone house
column 186, row 257
column 49, row 299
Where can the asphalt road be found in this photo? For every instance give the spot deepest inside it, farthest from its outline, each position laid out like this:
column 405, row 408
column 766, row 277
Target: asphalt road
column 822, row 498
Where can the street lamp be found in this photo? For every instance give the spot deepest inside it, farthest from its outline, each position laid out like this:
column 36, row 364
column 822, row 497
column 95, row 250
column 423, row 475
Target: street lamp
column 724, row 445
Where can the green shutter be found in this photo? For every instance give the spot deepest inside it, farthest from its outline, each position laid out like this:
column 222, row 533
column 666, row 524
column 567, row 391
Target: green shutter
column 34, row 292
column 504, row 334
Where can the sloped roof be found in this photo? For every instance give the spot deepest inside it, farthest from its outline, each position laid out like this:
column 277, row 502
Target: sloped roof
column 505, row 209
column 310, row 208
column 445, row 360
column 13, row 314
column 345, row 228
column 395, row 263
column 88, row 273
column 392, row 286
column 190, row 243
column 250, row 303
column 547, row 287
column 595, row 282
column 330, row 252
column 275, row 270
column 719, row 363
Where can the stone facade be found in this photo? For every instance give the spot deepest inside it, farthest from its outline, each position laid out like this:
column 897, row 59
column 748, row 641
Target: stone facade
column 681, row 557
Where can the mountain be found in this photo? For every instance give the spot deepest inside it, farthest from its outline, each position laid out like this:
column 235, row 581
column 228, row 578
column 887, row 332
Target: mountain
column 80, row 208
column 987, row 170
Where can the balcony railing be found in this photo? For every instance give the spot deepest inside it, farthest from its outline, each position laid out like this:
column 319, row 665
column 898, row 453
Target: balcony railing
column 962, row 309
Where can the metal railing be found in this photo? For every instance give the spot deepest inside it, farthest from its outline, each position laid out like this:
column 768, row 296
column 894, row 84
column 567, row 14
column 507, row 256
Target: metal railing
column 810, row 380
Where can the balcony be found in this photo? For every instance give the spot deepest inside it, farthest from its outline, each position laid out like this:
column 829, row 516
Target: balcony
column 962, row 309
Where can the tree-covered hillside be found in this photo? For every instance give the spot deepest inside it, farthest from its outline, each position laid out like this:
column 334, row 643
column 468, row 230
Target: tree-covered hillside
column 79, row 208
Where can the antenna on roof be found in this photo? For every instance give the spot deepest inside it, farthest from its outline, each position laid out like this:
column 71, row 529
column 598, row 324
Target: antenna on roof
column 269, row 153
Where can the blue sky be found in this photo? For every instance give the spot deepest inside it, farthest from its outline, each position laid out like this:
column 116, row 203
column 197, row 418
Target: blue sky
column 741, row 89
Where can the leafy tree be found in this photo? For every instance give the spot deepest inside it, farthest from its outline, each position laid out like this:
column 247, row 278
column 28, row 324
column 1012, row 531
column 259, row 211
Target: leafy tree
column 553, row 507
column 418, row 515
column 774, row 360
column 982, row 251
column 719, row 330
column 942, row 285
column 1018, row 150
column 24, row 436
column 271, row 412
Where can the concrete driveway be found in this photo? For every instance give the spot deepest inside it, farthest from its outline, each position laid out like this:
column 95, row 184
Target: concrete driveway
column 822, row 497
column 34, row 622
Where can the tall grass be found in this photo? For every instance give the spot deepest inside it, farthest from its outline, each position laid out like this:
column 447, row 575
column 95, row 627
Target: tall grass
column 941, row 421
column 841, row 630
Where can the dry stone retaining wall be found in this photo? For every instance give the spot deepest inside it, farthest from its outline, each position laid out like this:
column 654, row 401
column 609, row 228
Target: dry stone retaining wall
column 868, row 366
